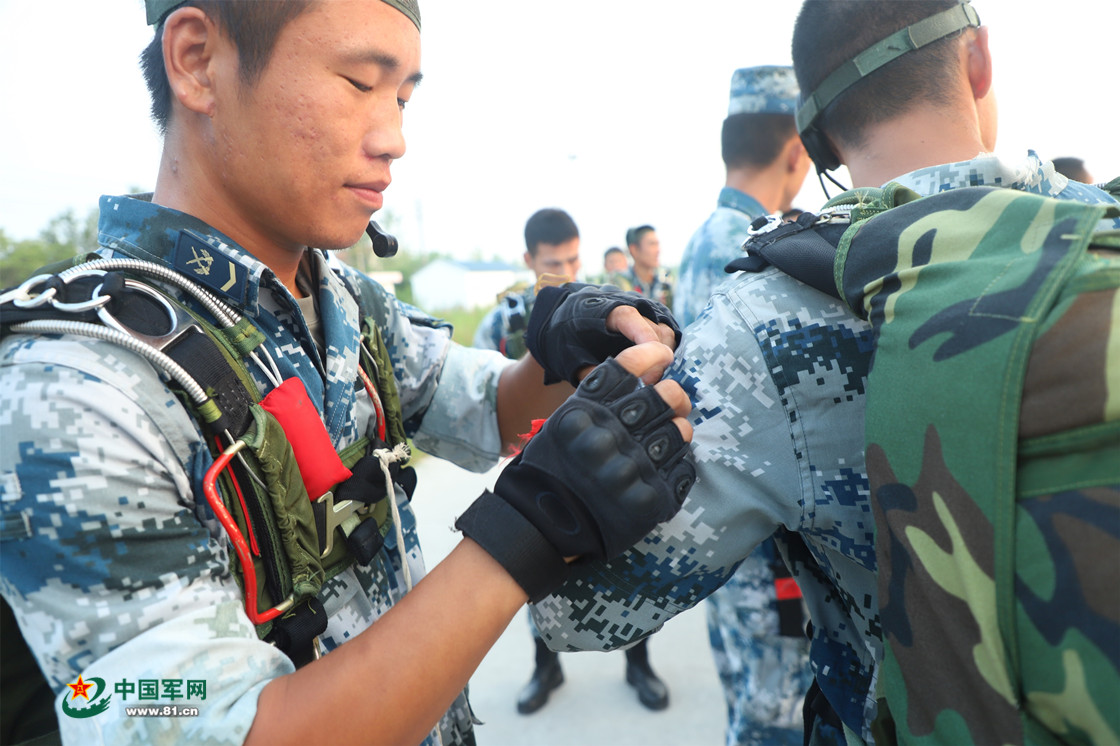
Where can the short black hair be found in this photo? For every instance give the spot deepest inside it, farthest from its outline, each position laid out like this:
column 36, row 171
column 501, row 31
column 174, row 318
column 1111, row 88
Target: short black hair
column 634, row 235
column 551, row 226
column 253, row 26
column 829, row 33
column 1073, row 168
column 612, row 250
column 755, row 139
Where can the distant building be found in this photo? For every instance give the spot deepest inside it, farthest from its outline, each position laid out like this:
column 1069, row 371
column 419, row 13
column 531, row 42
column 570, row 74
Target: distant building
column 388, row 279
column 446, row 283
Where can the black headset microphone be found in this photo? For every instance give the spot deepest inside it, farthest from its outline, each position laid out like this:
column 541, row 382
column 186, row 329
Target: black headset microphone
column 384, row 244
column 909, row 39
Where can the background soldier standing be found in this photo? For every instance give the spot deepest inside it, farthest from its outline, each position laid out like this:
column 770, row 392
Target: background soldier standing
column 758, row 640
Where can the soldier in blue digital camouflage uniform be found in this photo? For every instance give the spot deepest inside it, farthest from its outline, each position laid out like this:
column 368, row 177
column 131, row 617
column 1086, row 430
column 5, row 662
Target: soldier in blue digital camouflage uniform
column 551, row 247
column 765, row 166
column 776, row 371
column 763, row 665
column 645, row 274
column 281, row 122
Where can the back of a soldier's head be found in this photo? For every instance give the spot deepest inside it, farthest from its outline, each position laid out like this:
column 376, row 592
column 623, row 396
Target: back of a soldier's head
column 1073, row 168
column 760, row 115
column 829, row 33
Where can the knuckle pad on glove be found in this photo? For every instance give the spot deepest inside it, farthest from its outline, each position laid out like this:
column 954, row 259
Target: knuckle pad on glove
column 606, row 468
column 642, row 410
column 607, row 382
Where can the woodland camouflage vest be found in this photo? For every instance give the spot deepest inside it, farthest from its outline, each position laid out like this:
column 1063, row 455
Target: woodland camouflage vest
column 993, row 450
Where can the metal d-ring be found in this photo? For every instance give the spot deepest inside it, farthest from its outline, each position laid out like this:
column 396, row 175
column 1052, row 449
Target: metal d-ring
column 173, row 315
column 21, row 296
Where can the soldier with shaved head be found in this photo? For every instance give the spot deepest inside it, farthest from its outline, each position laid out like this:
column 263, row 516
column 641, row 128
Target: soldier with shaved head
column 948, row 512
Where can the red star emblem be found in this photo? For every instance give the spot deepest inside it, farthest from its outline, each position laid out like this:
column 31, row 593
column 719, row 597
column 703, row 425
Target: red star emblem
column 81, row 689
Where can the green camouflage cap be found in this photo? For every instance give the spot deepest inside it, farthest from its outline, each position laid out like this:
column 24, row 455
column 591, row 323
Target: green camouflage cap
column 158, row 9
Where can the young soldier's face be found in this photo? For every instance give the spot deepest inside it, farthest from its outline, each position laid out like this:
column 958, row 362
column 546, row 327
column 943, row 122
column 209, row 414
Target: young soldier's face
column 615, row 262
column 304, row 154
column 647, row 252
column 555, row 259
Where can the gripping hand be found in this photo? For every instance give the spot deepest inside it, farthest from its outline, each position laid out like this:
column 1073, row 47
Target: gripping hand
column 568, row 327
column 608, row 466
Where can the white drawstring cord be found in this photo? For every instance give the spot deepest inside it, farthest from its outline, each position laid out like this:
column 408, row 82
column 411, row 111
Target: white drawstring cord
column 385, row 456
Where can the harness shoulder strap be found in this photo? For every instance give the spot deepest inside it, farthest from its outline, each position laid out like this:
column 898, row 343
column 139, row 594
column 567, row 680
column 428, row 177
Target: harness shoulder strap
column 802, row 249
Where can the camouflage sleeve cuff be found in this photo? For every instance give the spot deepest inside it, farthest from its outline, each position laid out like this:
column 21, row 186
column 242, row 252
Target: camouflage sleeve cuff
column 461, row 422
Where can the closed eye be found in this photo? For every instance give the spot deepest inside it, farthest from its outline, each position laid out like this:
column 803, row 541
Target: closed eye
column 360, row 86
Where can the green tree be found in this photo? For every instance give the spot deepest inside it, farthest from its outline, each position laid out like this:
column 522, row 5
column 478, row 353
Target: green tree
column 67, row 229
column 65, row 236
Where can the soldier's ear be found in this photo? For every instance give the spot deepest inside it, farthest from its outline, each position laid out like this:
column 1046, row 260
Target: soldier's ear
column 978, row 62
column 793, row 153
column 190, row 38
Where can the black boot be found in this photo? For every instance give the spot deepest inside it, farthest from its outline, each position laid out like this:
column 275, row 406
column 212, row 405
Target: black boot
column 652, row 691
column 546, row 677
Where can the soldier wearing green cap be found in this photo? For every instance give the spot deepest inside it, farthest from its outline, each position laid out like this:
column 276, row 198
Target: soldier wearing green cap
column 130, row 581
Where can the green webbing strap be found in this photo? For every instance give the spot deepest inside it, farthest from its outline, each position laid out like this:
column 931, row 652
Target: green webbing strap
column 871, row 59
column 1113, row 187
column 295, row 530
column 386, row 383
column 243, row 336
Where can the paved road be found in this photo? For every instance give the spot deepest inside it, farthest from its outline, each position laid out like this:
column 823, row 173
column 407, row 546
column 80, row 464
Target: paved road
column 594, row 707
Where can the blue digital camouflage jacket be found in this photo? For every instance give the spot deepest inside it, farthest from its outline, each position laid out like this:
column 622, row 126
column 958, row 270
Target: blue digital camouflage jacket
column 112, row 560
column 715, row 243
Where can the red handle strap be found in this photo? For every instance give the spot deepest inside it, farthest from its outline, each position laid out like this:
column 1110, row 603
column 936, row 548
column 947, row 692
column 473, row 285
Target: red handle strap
column 240, row 546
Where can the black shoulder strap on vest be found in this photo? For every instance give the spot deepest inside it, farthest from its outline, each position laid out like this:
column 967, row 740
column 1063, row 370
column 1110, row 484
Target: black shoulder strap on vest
column 804, row 249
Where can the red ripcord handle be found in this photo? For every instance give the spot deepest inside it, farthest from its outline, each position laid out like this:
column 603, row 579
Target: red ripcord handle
column 318, row 462
column 240, row 546
column 786, row 589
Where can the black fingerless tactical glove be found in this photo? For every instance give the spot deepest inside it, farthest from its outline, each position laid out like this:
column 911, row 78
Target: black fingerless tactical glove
column 607, row 467
column 568, row 327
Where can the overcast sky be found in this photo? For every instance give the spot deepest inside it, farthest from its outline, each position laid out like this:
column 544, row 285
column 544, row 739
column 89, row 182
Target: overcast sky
column 610, row 109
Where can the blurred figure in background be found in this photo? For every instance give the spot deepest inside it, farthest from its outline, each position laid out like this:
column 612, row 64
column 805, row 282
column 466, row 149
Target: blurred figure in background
column 1073, row 168
column 551, row 247
column 765, row 165
column 645, row 275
